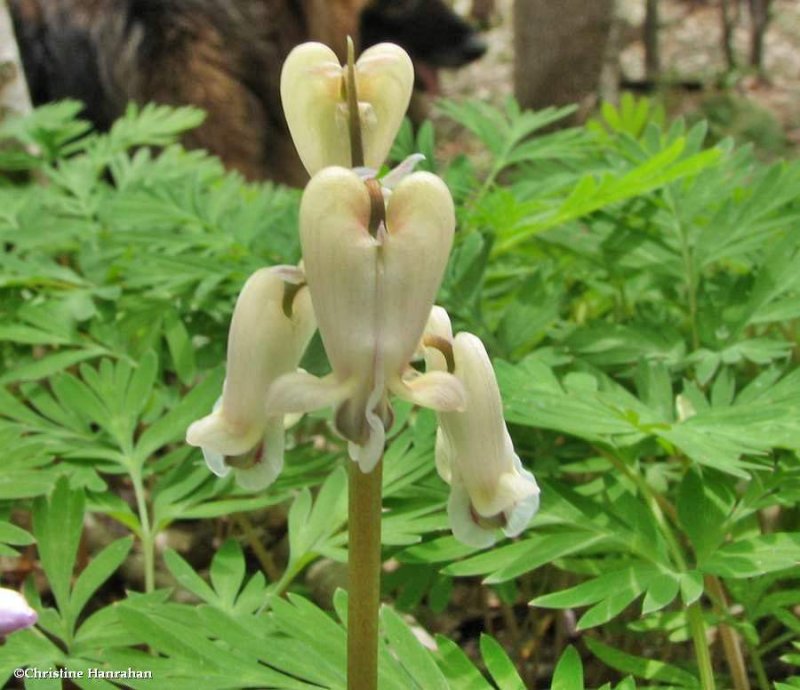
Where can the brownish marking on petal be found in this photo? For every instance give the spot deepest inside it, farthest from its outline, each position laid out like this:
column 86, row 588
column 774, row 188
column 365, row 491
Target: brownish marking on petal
column 290, row 291
column 247, row 460
column 492, row 522
column 444, row 346
column 377, row 206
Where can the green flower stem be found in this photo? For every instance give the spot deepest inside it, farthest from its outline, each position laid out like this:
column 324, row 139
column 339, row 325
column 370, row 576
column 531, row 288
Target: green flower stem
column 263, row 556
column 755, row 655
column 688, row 266
column 657, row 507
column 363, row 577
column 356, row 141
column 694, row 613
column 364, row 502
column 147, row 536
column 697, row 626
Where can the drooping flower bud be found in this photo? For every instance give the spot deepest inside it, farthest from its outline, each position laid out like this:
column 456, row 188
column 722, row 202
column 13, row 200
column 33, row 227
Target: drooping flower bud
column 314, row 96
column 15, row 613
column 373, row 269
column 272, row 324
column 490, row 489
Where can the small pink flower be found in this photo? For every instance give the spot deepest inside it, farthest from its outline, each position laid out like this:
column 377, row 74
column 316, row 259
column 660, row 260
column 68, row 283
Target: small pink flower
column 15, row 614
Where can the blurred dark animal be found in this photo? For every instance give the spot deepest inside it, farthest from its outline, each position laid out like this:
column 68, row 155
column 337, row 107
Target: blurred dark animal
column 224, row 56
column 432, row 34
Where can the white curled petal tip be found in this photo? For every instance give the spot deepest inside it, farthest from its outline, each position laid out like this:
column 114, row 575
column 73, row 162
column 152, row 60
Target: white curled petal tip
column 397, row 174
column 215, row 436
column 463, row 523
column 367, row 454
column 436, row 390
column 475, row 529
column 215, row 462
column 15, row 612
column 300, row 392
column 519, row 515
column 436, row 339
column 265, row 463
column 365, row 173
column 443, row 456
column 439, row 323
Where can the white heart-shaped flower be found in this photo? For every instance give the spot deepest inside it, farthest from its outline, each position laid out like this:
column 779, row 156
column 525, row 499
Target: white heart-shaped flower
column 314, row 96
column 372, row 294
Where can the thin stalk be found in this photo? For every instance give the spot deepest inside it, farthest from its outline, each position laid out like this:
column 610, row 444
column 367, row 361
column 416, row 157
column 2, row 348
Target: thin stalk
column 364, row 500
column 657, row 505
column 363, row 577
column 697, row 627
column 356, row 141
column 263, row 556
column 147, row 536
column 730, row 640
column 758, row 666
column 689, row 268
column 694, row 612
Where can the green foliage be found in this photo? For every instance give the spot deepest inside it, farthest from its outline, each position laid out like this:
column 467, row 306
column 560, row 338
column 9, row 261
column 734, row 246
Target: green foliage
column 640, row 290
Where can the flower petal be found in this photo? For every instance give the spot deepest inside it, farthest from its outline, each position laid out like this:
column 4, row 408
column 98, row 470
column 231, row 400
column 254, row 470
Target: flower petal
column 385, row 80
column 463, row 524
column 519, row 516
column 420, row 220
column 474, row 451
column 373, row 294
column 304, row 392
column 311, row 93
column 397, row 174
column 436, row 390
column 15, row 613
column 264, row 342
column 377, row 415
column 313, row 96
column 443, row 455
column 268, row 461
column 341, row 263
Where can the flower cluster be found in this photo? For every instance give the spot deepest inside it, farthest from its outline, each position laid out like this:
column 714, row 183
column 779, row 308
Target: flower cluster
column 374, row 253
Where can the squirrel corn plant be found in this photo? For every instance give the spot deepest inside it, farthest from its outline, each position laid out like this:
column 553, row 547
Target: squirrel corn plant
column 374, row 254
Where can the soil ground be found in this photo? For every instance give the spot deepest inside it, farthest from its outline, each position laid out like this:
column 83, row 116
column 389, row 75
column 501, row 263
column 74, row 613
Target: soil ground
column 691, row 49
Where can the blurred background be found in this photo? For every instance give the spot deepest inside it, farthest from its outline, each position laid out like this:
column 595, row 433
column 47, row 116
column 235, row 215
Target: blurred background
column 734, row 62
